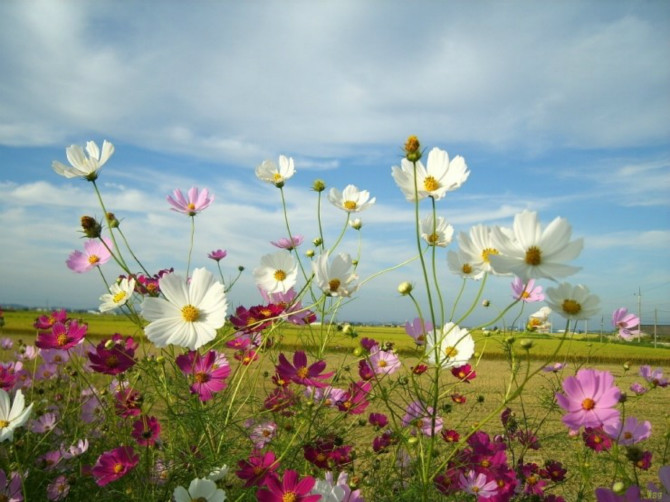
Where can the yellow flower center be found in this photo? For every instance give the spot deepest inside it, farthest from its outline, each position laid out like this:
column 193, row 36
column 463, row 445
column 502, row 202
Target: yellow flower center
column 118, row 468
column 280, row 275
column 525, row 294
column 276, row 177
column 189, row 313
column 485, row 463
column 571, row 307
column 533, row 256
column 350, row 205
column 588, row 404
column 61, row 339
column 200, row 377
column 488, row 251
column 466, row 268
column 334, row 284
column 190, row 206
column 266, row 312
column 302, row 372
column 93, row 259
column 475, row 489
column 451, row 351
column 430, row 184
column 3, row 424
column 118, row 297
column 433, row 238
column 289, row 497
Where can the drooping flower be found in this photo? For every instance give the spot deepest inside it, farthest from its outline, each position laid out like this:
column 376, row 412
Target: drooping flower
column 589, row 399
column 654, row 377
column 436, row 232
column 531, row 252
column 421, row 417
column 82, row 165
column 114, row 464
column 300, row 373
column 202, row 490
column 573, row 302
column 290, row 488
column 62, row 336
column 95, row 254
column 630, row 432
column 449, row 347
column 438, row 177
column 270, row 172
column 626, row 324
column 209, row 372
column 336, row 278
column 146, row 430
column 277, row 272
column 478, row 484
column 196, row 202
column 418, row 329
column 526, row 292
column 12, row 414
column 288, row 243
column 218, row 255
column 191, row 312
column 351, row 199
column 119, row 293
column 74, row 450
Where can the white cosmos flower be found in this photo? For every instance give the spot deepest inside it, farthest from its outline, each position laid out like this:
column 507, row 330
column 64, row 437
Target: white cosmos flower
column 573, row 302
column 449, row 347
column 438, row 177
column 277, row 273
column 478, row 246
column 461, row 264
column 351, row 199
column 12, row 415
column 337, row 277
column 119, row 294
column 83, row 166
column 270, row 172
column 532, row 253
column 203, row 490
column 436, row 233
column 190, row 313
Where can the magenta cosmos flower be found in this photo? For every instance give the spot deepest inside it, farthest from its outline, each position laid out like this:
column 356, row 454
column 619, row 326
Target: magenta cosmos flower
column 114, row 464
column 589, row 399
column 62, row 336
column 209, row 372
column 258, row 469
column 197, row 201
column 300, row 373
column 527, row 292
column 113, row 355
column 146, row 430
column 95, row 254
column 290, row 488
column 218, row 255
column 625, row 323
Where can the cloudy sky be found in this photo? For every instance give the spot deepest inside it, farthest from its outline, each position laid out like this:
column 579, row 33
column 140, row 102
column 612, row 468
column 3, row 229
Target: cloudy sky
column 558, row 107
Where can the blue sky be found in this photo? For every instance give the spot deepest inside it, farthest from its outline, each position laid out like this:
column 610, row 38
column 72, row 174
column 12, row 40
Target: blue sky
column 558, row 107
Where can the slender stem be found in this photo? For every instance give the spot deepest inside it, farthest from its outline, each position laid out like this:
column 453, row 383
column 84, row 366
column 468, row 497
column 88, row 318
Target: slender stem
column 125, row 241
column 458, row 298
column 437, row 284
column 120, row 259
column 344, row 229
column 190, row 248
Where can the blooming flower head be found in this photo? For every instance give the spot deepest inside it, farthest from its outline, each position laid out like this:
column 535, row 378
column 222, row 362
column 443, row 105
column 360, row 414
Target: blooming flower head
column 384, row 362
column 262, row 434
column 420, row 416
column 258, row 468
column 83, row 165
column 436, row 232
column 300, row 373
column 95, row 254
column 113, row 355
column 526, row 292
column 596, row 439
column 146, row 430
column 197, row 201
column 119, row 293
column 12, row 415
column 209, row 372
column 114, row 464
column 478, row 485
column 277, row 272
column 270, row 172
column 190, row 313
column 336, row 278
column 449, row 347
column 354, row 400
column 629, row 432
column 351, row 199
column 288, row 243
column 290, row 488
column 417, row 329
column 217, row 255
column 461, row 263
column 626, row 324
column 573, row 302
column 62, row 336
column 58, row 489
column 589, row 399
column 654, row 377
column 531, row 252
column 478, row 246
column 438, row 177
column 202, row 490
column 11, row 487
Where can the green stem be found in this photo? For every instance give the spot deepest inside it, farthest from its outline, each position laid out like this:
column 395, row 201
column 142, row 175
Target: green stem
column 190, row 248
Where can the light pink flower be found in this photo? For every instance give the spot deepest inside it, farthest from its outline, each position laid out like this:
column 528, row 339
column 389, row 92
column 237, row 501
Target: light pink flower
column 654, row 377
column 527, row 292
column 421, row 416
column 262, row 434
column 384, row 362
column 625, row 323
column 630, row 432
column 589, row 399
column 478, row 484
column 196, row 202
column 418, row 329
column 95, row 254
column 288, row 243
column 58, row 489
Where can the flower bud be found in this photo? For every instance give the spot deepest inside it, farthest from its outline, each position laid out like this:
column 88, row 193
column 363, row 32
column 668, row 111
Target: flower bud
column 486, row 303
column 412, row 149
column 319, row 185
column 618, row 487
column 509, row 340
column 318, row 241
column 92, row 229
column 354, row 263
column 356, row 224
column 405, row 288
column 309, row 253
column 626, row 366
column 240, row 268
column 112, row 221
column 526, row 344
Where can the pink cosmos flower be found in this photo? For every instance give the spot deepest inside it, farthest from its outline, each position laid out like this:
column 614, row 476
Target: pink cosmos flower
column 655, row 377
column 589, row 399
column 554, row 368
column 113, row 355
column 209, row 372
column 8, row 374
column 6, row 343
column 638, row 388
column 11, row 488
column 44, row 322
column 418, row 329
column 288, row 243
column 58, row 489
column 299, row 373
column 597, row 439
column 128, row 403
column 196, row 202
column 630, row 432
column 420, row 416
column 95, row 254
column 291, row 487
column 62, row 336
column 464, row 373
column 478, row 484
column 218, row 255
column 75, row 450
column 378, row 420
column 292, row 308
column 114, row 464
column 258, row 469
column 262, row 434
column 146, row 430
column 354, row 400
column 384, row 362
column 625, row 323
column 45, row 423
column 606, row 495
column 526, row 292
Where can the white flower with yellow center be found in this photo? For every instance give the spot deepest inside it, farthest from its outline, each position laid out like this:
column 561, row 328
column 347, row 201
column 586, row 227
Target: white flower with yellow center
column 119, row 294
column 478, row 246
column 277, row 273
column 351, row 199
column 336, row 278
column 436, row 232
column 12, row 415
column 573, row 302
column 449, row 347
column 83, row 166
column 461, row 264
column 190, row 313
column 438, row 177
column 533, row 253
column 270, row 172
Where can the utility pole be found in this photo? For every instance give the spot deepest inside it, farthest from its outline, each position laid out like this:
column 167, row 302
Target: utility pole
column 602, row 322
column 655, row 323
column 639, row 310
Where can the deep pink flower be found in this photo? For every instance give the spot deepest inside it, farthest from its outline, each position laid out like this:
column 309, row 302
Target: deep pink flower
column 355, row 401
column 291, row 488
column 300, row 373
column 533, row 485
column 655, row 377
column 8, row 374
column 95, row 254
column 380, row 443
column 196, row 202
column 596, row 439
column 146, row 430
column 421, row 416
column 114, row 464
column 293, row 309
column 256, row 318
column 464, row 373
column 450, row 435
column 246, row 357
column 364, row 370
column 45, row 322
column 526, row 292
column 643, row 461
column 630, row 432
column 258, row 469
column 149, row 285
column 218, row 255
column 554, row 368
column 281, row 400
column 419, row 369
column 378, row 420
column 62, row 336
column 554, row 471
column 209, row 372
column 114, row 355
column 626, row 324
column 458, row 398
column 418, row 329
column 288, row 243
column 128, row 403
column 589, row 399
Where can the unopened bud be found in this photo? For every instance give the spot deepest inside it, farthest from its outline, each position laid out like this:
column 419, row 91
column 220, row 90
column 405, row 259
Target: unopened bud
column 412, row 149
column 526, row 344
column 112, row 221
column 618, row 487
column 309, row 253
column 319, row 185
column 318, row 241
column 486, row 303
column 626, row 366
column 405, row 288
column 240, row 268
column 356, row 224
column 91, row 227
